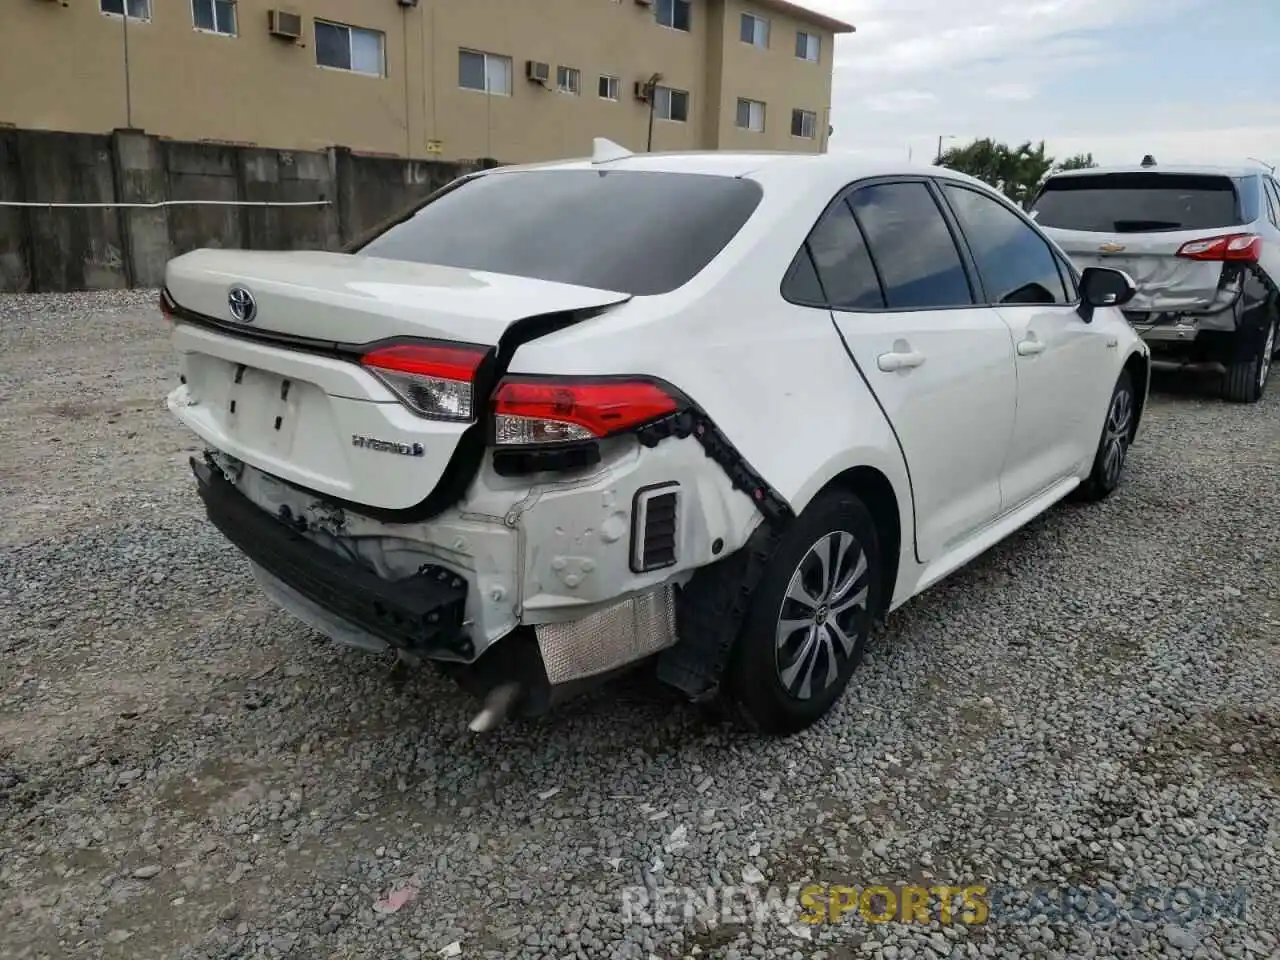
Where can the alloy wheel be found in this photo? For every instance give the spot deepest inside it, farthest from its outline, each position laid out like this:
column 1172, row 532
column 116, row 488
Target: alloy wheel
column 821, row 623
column 1116, row 436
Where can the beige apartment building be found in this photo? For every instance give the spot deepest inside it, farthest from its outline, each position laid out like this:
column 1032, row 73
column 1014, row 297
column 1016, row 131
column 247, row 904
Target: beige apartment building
column 516, row 80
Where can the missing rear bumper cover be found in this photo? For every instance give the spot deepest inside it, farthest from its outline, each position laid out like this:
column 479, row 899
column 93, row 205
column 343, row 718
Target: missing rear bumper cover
column 422, row 613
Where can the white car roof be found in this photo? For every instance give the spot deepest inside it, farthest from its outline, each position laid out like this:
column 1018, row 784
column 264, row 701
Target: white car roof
column 819, row 166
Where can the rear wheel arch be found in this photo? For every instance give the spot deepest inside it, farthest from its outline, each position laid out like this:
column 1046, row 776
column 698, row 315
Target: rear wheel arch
column 876, row 491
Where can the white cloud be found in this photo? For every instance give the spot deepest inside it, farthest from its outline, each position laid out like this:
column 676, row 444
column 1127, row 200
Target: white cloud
column 1010, row 91
column 1011, row 70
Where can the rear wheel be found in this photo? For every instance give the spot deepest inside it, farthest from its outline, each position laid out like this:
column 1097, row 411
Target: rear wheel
column 808, row 620
column 1249, row 367
column 1113, row 446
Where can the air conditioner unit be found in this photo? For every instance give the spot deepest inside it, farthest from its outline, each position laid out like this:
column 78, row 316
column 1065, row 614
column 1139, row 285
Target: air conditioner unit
column 537, row 71
column 642, row 91
column 284, row 24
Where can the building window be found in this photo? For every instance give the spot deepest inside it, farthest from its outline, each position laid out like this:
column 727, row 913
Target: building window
column 750, row 115
column 672, row 13
column 671, row 104
column 804, row 123
column 755, row 31
column 568, row 80
column 216, row 16
column 485, row 72
column 137, row 9
column 610, row 88
column 808, row 46
column 350, row 48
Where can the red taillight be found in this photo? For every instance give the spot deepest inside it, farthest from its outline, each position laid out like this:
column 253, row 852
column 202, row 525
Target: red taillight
column 1236, row 247
column 554, row 411
column 433, row 380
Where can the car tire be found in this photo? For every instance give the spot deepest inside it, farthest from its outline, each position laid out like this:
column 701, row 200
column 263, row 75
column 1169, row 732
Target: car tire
column 1249, row 367
column 807, row 622
column 1113, row 446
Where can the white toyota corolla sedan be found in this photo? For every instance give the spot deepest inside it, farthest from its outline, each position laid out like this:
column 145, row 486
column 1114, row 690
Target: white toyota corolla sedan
column 709, row 412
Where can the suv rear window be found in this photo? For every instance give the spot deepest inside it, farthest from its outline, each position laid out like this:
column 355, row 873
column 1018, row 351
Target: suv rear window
column 1139, row 202
column 637, row 232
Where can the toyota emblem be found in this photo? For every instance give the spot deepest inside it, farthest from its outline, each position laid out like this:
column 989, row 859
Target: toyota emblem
column 242, row 305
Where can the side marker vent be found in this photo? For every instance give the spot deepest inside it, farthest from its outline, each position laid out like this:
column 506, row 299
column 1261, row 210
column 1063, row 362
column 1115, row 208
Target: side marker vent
column 655, row 527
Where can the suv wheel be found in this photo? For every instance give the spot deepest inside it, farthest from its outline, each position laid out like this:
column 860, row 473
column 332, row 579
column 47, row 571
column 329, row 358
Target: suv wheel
column 1250, row 368
column 808, row 620
column 1113, row 447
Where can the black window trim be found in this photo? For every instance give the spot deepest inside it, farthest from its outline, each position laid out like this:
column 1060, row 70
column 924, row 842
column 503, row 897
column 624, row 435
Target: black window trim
column 842, row 196
column 999, row 198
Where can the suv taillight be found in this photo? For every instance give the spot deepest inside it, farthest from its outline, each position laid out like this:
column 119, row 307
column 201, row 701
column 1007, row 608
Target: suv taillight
column 434, row 380
column 534, row 411
column 1235, row 247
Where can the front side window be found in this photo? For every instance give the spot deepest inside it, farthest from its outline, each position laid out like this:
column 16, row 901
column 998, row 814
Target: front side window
column 484, row 72
column 754, row 30
column 215, row 16
column 804, row 124
column 911, row 246
column 568, row 80
column 350, row 48
column 808, row 46
column 607, row 229
column 750, row 115
column 672, row 13
column 136, row 9
column 669, row 104
column 1014, row 262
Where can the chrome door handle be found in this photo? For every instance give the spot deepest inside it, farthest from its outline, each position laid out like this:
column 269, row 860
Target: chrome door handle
column 1029, row 348
column 899, row 360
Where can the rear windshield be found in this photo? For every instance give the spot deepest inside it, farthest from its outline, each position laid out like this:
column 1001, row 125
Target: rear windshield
column 1139, row 202
column 636, row 232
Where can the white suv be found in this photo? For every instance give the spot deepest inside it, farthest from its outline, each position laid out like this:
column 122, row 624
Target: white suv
column 714, row 412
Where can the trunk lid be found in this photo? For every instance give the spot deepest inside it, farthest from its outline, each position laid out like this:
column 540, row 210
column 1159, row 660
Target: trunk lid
column 350, row 298
column 1166, row 282
column 316, row 416
column 1137, row 221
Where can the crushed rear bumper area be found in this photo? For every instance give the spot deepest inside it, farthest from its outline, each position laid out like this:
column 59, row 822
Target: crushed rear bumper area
column 422, row 613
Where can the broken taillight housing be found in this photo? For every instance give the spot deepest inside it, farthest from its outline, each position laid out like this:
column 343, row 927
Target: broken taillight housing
column 531, row 411
column 434, row 380
column 1234, row 247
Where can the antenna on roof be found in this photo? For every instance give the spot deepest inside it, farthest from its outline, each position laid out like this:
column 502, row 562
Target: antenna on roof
column 1148, row 161
column 603, row 151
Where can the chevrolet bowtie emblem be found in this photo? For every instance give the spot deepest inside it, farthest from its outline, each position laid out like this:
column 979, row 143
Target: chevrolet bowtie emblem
column 1111, row 247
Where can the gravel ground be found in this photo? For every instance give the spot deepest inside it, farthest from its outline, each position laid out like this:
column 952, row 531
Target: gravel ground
column 185, row 772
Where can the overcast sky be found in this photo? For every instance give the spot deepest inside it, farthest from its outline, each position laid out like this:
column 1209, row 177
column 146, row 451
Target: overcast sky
column 1180, row 79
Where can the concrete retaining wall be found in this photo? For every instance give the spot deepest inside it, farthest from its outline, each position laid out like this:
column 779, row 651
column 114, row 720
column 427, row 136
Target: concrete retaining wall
column 49, row 249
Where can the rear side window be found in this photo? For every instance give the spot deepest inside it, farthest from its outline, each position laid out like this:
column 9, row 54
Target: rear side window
column 1140, row 202
column 843, row 263
column 636, row 232
column 1015, row 263
column 911, row 246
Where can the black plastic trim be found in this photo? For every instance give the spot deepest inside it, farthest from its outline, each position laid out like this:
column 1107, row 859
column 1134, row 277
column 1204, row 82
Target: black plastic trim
column 423, row 613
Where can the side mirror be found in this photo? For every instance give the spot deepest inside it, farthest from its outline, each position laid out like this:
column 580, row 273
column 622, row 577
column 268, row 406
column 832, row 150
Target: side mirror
column 1104, row 287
